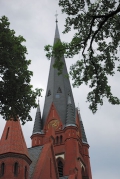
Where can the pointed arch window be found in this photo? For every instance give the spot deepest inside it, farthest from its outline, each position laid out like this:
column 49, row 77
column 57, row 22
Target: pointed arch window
column 49, row 93
column 83, row 174
column 60, row 168
column 59, row 90
column 57, row 140
column 61, row 139
column 16, row 169
column 2, row 169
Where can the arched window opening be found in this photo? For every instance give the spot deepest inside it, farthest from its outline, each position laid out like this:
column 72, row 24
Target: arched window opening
column 15, row 169
column 80, row 149
column 82, row 171
column 60, row 168
column 83, row 174
column 61, row 139
column 2, row 169
column 25, row 172
column 50, row 168
column 57, row 140
column 53, row 141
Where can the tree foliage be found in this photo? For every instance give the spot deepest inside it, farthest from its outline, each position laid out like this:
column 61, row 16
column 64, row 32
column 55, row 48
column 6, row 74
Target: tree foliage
column 97, row 39
column 16, row 94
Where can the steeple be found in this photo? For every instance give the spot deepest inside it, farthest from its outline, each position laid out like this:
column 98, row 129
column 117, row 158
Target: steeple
column 70, row 119
column 37, row 123
column 12, row 140
column 58, row 88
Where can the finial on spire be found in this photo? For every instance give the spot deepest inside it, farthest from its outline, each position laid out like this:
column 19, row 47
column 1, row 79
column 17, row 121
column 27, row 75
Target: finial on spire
column 56, row 17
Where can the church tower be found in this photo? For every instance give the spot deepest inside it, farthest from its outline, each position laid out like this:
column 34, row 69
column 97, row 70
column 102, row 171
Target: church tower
column 61, row 126
column 60, row 149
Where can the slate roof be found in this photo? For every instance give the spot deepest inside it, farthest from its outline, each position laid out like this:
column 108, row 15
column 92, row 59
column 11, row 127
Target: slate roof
column 34, row 154
column 15, row 142
column 37, row 124
column 56, row 82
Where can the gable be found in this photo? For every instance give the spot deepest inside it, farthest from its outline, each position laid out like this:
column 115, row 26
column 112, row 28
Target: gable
column 46, row 164
column 53, row 120
column 34, row 153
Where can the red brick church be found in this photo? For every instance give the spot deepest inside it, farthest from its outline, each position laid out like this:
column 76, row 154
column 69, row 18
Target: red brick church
column 59, row 145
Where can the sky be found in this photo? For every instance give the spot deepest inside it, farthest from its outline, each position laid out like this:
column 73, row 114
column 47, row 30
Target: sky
column 35, row 21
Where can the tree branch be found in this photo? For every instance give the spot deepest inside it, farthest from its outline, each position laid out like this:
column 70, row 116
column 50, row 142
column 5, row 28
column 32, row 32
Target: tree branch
column 107, row 15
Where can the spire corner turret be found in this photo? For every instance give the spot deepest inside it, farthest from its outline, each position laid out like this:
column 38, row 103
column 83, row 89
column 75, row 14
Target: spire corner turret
column 70, row 119
column 38, row 123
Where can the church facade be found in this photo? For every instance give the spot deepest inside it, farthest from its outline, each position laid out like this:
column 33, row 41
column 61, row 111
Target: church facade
column 60, row 149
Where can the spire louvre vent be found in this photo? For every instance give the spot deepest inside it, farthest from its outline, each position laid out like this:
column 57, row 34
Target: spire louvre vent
column 59, row 90
column 49, row 93
column 7, row 133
